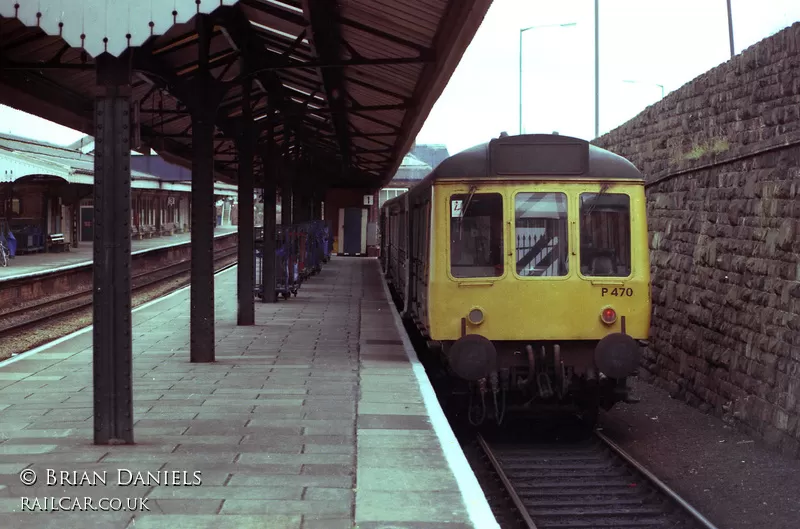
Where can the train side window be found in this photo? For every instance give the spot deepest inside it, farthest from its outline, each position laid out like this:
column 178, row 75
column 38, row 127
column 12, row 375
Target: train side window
column 605, row 234
column 540, row 230
column 476, row 235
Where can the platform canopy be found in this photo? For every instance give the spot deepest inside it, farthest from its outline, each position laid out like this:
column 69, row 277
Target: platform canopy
column 342, row 87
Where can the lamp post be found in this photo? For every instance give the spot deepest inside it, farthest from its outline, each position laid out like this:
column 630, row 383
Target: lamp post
column 596, row 68
column 730, row 28
column 655, row 84
column 521, row 31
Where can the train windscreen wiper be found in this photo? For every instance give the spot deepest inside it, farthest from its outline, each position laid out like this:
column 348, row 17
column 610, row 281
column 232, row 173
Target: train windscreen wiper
column 472, row 190
column 603, row 190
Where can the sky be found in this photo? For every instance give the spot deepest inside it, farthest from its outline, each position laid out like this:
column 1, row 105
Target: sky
column 651, row 42
column 648, row 42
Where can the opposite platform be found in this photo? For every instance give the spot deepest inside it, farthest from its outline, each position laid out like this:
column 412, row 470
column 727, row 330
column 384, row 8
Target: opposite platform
column 313, row 418
column 43, row 263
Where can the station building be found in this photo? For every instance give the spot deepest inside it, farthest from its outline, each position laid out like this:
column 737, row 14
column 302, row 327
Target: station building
column 355, row 214
column 46, row 195
column 417, row 164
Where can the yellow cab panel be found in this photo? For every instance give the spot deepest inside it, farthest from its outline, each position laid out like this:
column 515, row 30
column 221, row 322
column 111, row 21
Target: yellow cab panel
column 539, row 260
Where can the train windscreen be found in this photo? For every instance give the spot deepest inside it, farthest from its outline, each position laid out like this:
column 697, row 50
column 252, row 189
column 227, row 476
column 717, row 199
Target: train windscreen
column 476, row 235
column 605, row 228
column 540, row 231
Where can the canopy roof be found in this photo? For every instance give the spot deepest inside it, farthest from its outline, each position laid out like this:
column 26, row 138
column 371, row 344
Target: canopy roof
column 342, row 86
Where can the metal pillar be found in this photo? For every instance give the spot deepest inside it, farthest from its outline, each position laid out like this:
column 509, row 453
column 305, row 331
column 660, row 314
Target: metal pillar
column 112, row 347
column 203, row 216
column 245, row 146
column 300, row 205
column 318, row 205
column 730, row 29
column 270, row 196
column 520, row 80
column 75, row 209
column 596, row 68
column 204, row 109
column 286, row 200
column 270, row 199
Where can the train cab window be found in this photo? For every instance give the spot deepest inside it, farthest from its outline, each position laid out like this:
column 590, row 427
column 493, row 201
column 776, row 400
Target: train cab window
column 605, row 229
column 540, row 224
column 476, row 235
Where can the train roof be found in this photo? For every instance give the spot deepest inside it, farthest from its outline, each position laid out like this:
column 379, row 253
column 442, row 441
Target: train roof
column 536, row 156
column 531, row 156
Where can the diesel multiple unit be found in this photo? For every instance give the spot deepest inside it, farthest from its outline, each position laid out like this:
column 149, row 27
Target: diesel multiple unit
column 524, row 263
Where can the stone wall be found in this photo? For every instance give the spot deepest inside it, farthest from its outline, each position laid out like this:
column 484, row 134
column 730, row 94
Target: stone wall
column 722, row 160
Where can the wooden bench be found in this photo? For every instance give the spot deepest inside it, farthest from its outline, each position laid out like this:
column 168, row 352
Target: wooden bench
column 142, row 232
column 56, row 241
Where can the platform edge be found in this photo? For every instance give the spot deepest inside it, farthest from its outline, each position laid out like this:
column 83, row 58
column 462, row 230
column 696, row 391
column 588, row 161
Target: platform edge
column 84, row 330
column 472, row 495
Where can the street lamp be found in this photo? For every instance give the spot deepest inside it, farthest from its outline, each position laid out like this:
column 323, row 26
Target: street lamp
column 521, row 31
column 730, row 28
column 655, row 84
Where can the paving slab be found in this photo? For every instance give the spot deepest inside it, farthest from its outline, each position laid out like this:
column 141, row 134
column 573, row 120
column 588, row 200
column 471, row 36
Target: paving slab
column 314, row 417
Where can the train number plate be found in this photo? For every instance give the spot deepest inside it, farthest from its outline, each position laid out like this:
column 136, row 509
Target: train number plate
column 619, row 292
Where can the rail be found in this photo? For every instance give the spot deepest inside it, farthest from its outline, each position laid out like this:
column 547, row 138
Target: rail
column 60, row 305
column 657, row 482
column 589, row 484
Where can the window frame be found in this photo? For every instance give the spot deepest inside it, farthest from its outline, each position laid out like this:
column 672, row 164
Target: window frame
column 448, row 248
column 607, row 279
column 570, row 198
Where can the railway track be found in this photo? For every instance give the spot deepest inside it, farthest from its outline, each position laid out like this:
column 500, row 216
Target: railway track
column 31, row 316
column 591, row 483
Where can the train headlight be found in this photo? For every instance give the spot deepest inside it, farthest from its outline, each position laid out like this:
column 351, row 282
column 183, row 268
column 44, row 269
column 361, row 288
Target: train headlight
column 475, row 316
column 608, row 315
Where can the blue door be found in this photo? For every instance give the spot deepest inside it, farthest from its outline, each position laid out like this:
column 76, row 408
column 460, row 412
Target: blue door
column 352, row 230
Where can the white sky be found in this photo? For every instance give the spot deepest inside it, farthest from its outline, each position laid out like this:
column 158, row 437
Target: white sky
column 666, row 42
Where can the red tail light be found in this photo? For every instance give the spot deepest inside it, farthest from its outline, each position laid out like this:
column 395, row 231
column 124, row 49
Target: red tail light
column 608, row 315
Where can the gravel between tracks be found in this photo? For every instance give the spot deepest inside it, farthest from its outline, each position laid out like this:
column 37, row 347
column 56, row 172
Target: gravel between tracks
column 733, row 480
column 62, row 326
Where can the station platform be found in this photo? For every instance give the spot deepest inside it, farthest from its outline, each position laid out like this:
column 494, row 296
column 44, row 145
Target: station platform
column 317, row 417
column 36, row 263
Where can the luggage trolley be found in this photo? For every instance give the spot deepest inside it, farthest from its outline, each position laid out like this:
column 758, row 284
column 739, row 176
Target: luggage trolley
column 258, row 259
column 325, row 241
column 317, row 245
column 310, row 263
column 285, row 275
column 300, row 246
column 285, row 281
column 293, row 252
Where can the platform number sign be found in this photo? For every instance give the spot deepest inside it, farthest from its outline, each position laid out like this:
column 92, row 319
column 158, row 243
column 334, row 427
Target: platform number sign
column 368, row 200
column 456, row 210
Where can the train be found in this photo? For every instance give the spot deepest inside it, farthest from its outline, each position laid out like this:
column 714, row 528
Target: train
column 523, row 263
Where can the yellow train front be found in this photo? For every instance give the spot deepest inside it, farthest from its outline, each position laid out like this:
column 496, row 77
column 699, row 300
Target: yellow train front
column 524, row 263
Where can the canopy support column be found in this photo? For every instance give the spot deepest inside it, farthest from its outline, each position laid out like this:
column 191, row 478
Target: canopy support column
column 245, row 270
column 268, row 172
column 203, row 110
column 112, row 340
